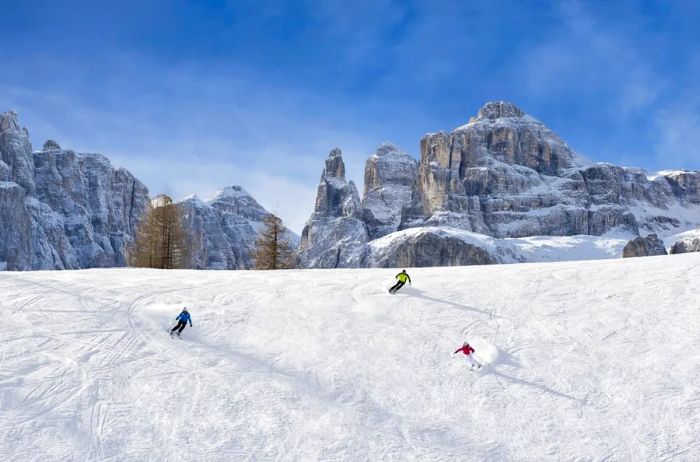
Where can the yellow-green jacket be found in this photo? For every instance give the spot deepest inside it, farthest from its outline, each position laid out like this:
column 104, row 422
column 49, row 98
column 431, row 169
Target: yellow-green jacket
column 403, row 277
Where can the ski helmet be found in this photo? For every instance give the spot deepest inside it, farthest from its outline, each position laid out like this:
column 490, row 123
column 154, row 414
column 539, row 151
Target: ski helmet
column 184, row 309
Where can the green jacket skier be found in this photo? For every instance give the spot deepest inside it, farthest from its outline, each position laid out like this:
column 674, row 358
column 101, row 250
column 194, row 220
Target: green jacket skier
column 402, row 277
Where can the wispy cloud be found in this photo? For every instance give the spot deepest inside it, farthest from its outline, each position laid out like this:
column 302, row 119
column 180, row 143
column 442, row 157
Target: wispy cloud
column 586, row 57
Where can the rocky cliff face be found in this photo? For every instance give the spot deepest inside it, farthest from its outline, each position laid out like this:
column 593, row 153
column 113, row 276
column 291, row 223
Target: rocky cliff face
column 336, row 235
column 61, row 209
column 504, row 175
column 224, row 229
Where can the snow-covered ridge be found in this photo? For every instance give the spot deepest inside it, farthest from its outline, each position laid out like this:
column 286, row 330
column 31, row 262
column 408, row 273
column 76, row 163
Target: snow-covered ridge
column 586, row 361
column 513, row 250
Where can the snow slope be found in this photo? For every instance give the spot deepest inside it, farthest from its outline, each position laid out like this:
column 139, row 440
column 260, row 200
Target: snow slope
column 594, row 361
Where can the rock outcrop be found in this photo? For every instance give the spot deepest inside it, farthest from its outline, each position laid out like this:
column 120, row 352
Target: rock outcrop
column 61, row 209
column 690, row 242
column 224, row 229
column 644, row 247
column 51, row 145
column 336, row 235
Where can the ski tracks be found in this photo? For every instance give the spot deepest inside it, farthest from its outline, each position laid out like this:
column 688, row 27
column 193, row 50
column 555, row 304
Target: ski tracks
column 98, row 419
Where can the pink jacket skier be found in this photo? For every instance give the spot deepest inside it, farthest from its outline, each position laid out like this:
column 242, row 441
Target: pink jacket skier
column 468, row 350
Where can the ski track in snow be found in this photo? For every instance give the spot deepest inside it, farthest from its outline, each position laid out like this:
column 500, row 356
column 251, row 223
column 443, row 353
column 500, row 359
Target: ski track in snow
column 594, row 360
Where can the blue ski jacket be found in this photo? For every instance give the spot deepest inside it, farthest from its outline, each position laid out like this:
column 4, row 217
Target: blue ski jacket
column 184, row 316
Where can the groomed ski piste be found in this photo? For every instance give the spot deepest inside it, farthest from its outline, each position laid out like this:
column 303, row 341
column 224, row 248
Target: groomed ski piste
column 585, row 361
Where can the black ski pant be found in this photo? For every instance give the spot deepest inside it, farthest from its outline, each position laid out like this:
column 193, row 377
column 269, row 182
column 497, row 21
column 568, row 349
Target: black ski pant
column 397, row 286
column 180, row 327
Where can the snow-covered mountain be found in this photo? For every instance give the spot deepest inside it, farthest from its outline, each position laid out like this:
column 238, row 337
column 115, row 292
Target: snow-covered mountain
column 60, row 209
column 225, row 228
column 503, row 175
column 586, row 361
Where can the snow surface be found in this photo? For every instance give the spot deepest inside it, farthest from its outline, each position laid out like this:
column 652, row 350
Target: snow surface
column 589, row 361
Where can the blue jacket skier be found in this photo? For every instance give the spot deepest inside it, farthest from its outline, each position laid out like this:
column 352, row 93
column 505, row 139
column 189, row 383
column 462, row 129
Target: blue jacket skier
column 182, row 318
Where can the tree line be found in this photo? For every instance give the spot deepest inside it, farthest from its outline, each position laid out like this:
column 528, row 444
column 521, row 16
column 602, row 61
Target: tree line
column 162, row 241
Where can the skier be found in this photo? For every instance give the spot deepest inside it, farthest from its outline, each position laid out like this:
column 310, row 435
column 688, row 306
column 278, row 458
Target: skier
column 468, row 350
column 182, row 319
column 402, row 277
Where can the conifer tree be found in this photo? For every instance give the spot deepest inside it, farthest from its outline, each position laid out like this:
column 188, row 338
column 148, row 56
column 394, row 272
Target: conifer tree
column 272, row 249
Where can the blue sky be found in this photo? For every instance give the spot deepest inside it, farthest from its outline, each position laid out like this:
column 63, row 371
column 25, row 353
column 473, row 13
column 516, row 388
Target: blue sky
column 194, row 96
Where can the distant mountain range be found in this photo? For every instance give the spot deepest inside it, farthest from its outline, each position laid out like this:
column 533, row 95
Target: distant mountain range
column 502, row 188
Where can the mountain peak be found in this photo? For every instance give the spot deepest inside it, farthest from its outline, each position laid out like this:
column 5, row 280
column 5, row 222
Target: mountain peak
column 498, row 110
column 229, row 192
column 335, row 167
column 387, row 148
column 51, row 145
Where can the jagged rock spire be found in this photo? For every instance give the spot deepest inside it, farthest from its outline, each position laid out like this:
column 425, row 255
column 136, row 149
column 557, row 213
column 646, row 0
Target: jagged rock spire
column 335, row 235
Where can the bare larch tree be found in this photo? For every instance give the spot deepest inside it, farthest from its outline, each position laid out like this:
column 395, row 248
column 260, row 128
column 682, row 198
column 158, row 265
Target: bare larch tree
column 161, row 239
column 272, row 249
